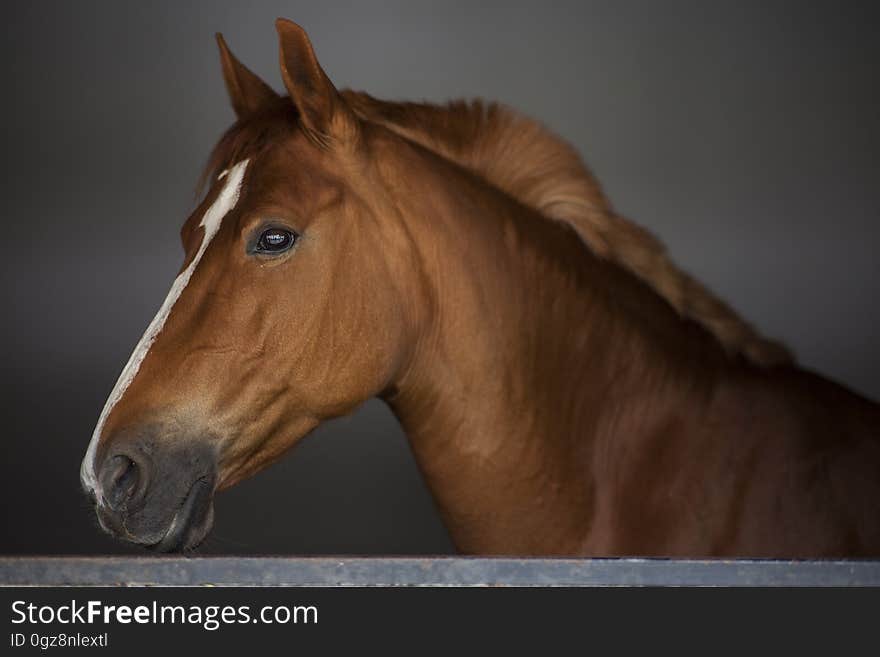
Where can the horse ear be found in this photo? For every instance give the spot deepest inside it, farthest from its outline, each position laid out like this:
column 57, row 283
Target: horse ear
column 323, row 112
column 247, row 92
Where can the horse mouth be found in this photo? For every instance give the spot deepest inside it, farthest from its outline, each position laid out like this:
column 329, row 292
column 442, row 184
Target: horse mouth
column 191, row 522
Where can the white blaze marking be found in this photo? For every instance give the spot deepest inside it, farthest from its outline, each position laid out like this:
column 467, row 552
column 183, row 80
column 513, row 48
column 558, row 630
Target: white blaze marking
column 211, row 221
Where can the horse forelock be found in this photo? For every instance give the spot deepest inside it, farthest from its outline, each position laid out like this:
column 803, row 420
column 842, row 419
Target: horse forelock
column 248, row 137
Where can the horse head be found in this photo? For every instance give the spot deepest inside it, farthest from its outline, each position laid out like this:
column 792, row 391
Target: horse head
column 285, row 312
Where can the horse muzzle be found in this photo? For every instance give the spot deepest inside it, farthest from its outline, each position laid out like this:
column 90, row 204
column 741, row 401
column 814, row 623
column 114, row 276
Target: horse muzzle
column 154, row 490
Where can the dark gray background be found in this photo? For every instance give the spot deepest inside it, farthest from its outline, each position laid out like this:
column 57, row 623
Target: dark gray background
column 745, row 134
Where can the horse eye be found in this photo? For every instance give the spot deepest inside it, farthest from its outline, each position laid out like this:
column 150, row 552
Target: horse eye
column 275, row 240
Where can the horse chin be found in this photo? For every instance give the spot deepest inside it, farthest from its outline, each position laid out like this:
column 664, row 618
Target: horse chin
column 191, row 522
column 155, row 492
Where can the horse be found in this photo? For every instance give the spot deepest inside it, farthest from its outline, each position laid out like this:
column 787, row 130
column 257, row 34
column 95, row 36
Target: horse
column 566, row 389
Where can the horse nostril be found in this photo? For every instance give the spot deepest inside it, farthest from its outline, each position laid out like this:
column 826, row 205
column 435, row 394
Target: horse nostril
column 122, row 478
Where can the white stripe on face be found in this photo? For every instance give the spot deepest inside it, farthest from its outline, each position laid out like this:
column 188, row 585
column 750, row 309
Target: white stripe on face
column 211, row 221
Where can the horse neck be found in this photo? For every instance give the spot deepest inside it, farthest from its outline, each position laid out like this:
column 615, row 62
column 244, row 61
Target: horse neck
column 532, row 355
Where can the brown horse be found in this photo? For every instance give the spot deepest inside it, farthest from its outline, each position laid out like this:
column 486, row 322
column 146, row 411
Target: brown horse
column 565, row 388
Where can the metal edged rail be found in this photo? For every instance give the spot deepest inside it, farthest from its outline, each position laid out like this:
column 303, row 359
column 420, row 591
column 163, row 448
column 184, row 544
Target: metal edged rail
column 428, row 571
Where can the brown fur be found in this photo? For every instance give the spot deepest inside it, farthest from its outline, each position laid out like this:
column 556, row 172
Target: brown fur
column 559, row 399
column 536, row 167
column 539, row 169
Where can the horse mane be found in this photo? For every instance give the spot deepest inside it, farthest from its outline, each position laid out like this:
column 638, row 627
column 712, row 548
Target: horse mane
column 527, row 161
